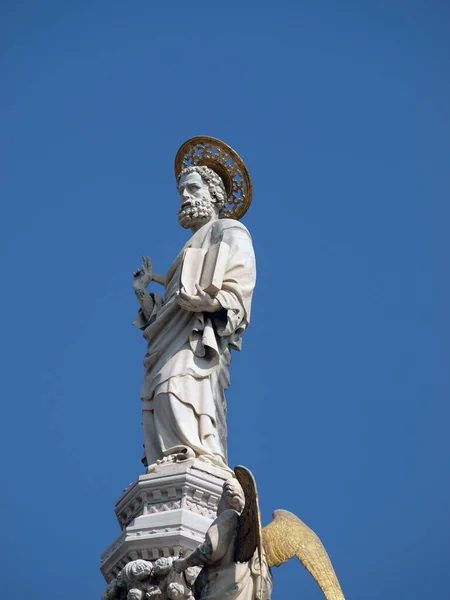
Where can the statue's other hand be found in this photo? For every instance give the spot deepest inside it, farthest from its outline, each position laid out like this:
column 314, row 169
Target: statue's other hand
column 201, row 302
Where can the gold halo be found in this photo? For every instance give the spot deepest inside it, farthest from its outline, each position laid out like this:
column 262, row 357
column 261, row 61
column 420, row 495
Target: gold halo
column 223, row 160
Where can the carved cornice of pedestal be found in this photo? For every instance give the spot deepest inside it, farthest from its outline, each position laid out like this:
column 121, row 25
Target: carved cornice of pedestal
column 193, row 485
column 164, row 512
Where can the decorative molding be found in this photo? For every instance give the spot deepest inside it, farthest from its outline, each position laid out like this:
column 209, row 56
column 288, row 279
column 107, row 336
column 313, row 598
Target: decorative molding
column 164, row 513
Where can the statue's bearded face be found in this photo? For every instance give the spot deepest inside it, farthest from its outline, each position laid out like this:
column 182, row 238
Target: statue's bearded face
column 196, row 204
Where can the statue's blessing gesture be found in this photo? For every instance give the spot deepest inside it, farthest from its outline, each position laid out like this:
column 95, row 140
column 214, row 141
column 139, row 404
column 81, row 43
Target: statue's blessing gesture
column 193, row 328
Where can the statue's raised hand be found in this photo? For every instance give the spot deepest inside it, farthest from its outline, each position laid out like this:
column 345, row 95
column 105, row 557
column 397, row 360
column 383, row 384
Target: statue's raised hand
column 143, row 276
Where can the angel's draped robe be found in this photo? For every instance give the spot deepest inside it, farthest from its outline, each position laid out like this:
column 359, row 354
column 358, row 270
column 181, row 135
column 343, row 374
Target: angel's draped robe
column 222, row 577
column 186, row 365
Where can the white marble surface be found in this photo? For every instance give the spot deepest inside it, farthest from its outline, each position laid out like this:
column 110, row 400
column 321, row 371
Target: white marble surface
column 222, row 576
column 164, row 512
column 190, row 336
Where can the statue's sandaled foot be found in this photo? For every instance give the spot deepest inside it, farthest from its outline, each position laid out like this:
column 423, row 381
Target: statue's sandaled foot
column 175, row 454
column 182, row 453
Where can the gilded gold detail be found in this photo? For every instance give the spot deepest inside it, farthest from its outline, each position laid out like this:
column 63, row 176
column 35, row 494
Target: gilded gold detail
column 287, row 536
column 218, row 156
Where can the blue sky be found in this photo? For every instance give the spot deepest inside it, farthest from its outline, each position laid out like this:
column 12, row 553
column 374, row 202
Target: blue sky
column 339, row 399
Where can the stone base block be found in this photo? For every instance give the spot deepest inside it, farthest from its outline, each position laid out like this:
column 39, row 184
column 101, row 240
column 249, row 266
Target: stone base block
column 164, row 512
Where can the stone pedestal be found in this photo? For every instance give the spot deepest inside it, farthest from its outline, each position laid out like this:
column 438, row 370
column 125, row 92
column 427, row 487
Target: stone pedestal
column 164, row 512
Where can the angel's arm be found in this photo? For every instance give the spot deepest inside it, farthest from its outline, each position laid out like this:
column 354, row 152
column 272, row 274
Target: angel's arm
column 217, row 541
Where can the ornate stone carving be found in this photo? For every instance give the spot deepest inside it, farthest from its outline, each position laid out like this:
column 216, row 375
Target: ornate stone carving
column 201, row 510
column 228, row 572
column 163, row 513
column 143, row 497
column 147, row 580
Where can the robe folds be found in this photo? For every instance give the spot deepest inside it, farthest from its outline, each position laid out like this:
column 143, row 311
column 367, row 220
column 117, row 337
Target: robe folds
column 186, row 365
column 222, row 577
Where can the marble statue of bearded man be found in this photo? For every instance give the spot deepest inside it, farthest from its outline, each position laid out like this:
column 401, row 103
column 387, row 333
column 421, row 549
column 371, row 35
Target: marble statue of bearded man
column 190, row 336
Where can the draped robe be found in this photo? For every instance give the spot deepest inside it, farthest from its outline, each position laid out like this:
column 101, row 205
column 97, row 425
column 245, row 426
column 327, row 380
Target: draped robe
column 222, row 577
column 186, row 365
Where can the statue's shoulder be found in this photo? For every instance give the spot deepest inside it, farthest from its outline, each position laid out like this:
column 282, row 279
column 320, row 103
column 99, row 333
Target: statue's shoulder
column 228, row 519
column 230, row 225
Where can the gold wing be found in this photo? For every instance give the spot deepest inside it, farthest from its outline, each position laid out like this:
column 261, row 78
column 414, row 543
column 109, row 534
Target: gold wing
column 287, row 537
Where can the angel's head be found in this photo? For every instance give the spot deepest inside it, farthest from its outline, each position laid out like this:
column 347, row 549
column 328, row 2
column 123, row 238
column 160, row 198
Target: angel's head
column 232, row 497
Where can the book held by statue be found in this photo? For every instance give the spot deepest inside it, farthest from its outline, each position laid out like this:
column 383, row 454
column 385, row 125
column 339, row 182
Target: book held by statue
column 205, row 268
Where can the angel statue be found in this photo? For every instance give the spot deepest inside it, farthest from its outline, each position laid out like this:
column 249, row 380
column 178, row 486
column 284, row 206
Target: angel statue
column 237, row 553
column 191, row 332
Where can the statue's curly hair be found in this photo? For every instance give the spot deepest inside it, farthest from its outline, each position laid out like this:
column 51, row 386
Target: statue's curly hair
column 232, row 491
column 213, row 181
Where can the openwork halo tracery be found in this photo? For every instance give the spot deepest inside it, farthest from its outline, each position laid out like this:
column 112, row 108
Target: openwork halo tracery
column 218, row 156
